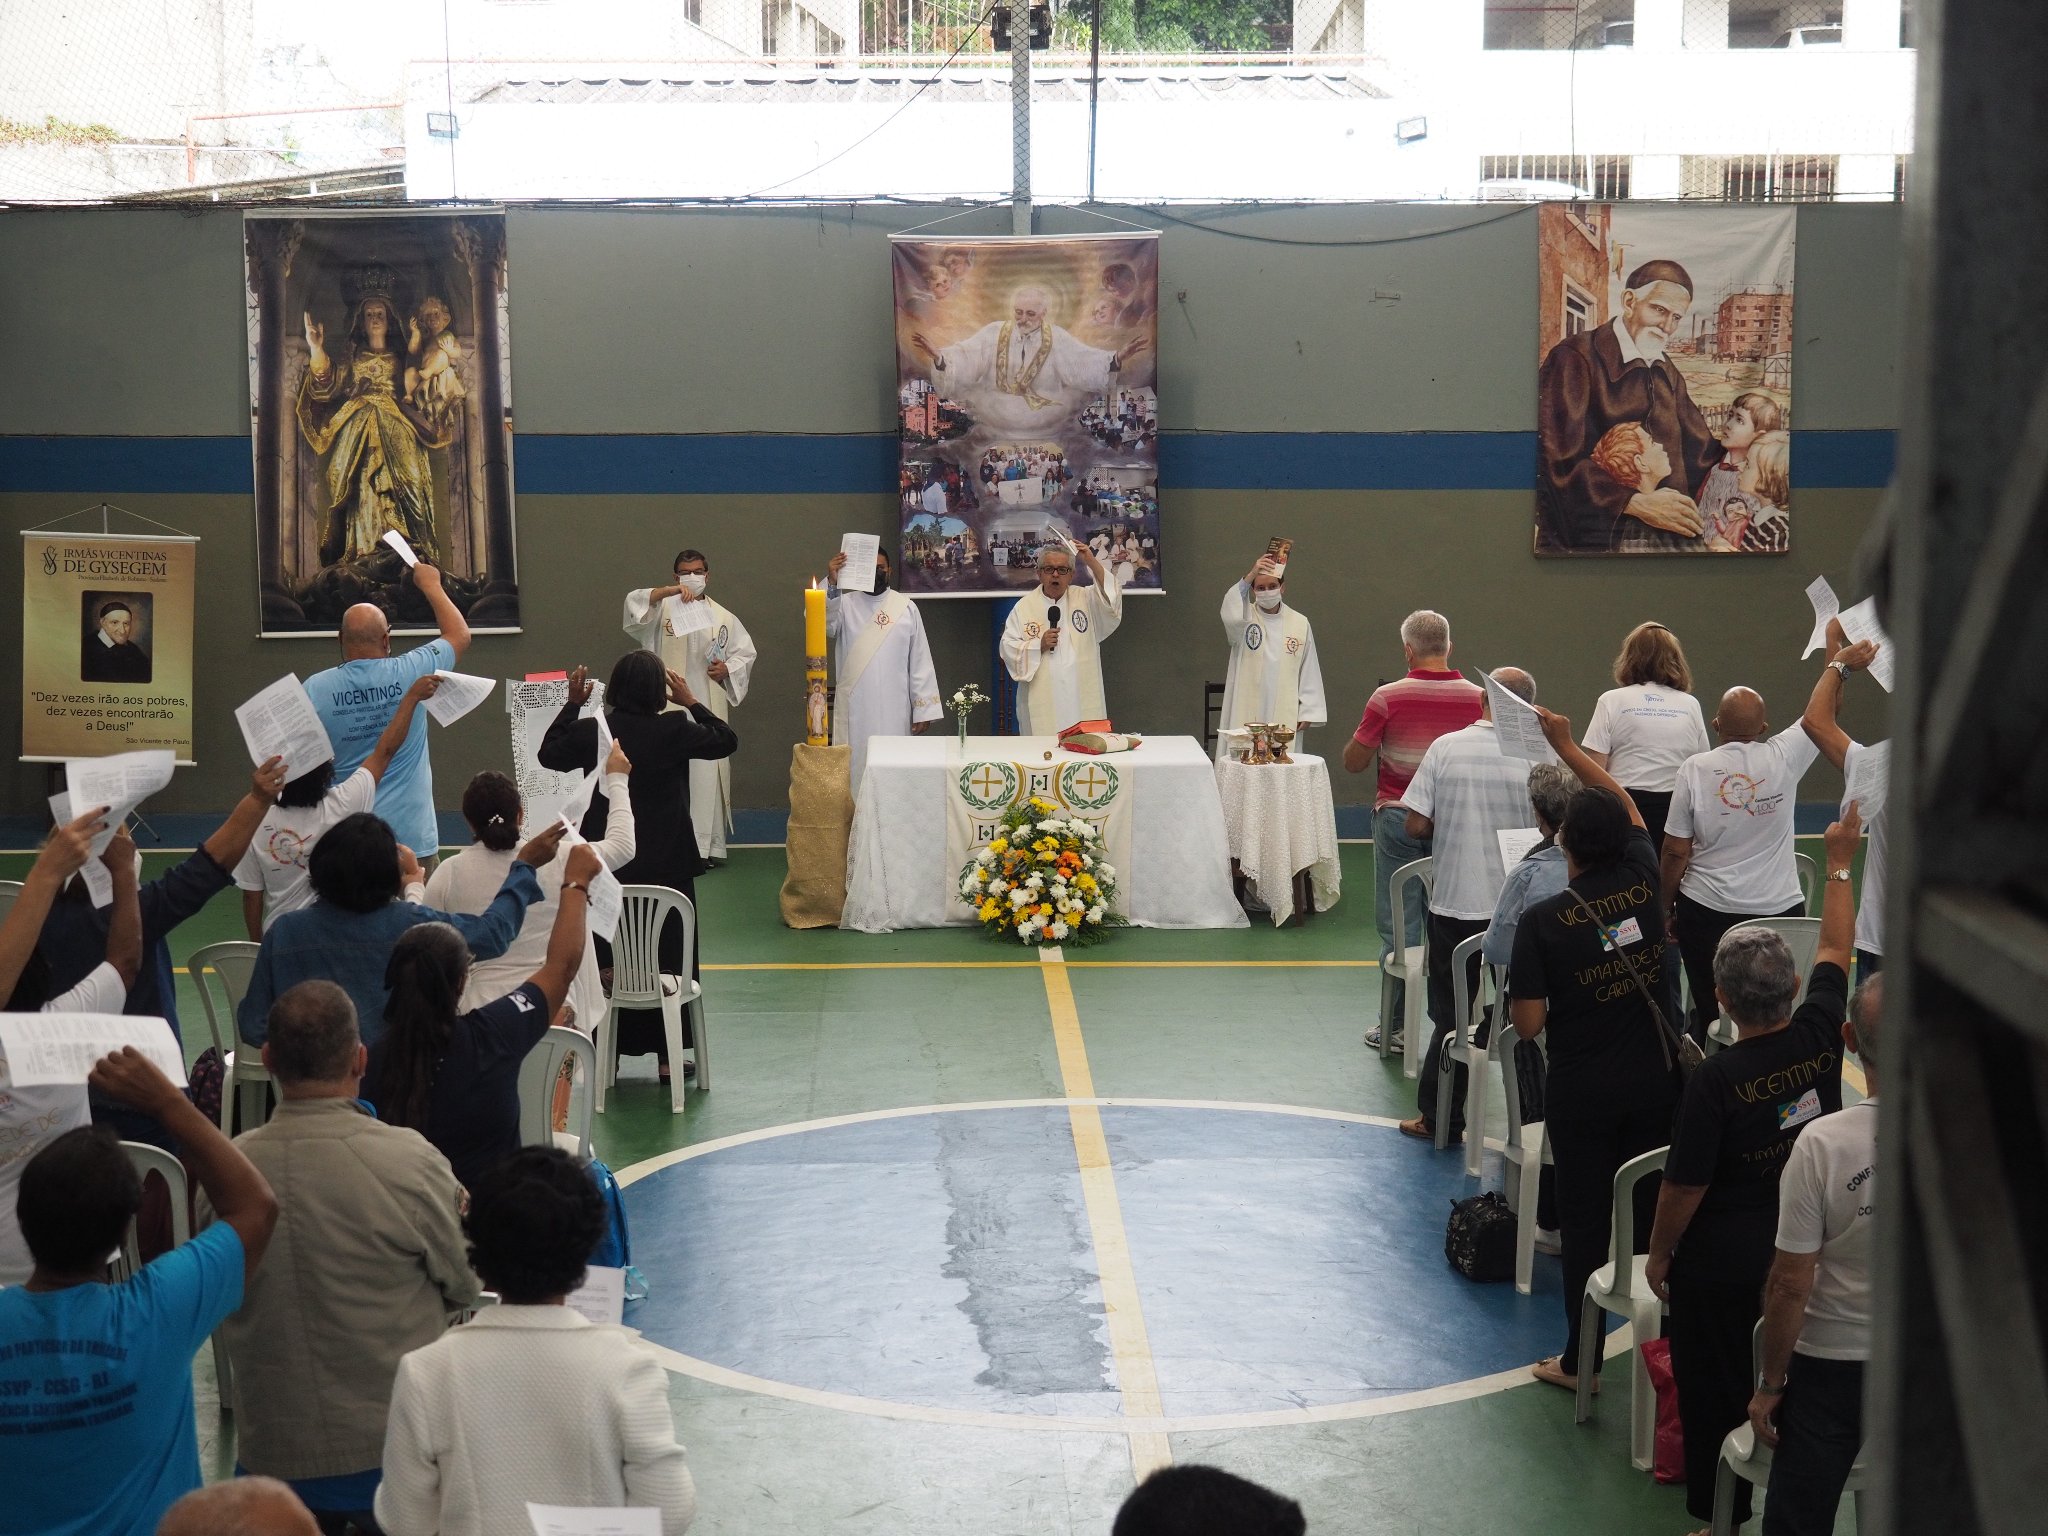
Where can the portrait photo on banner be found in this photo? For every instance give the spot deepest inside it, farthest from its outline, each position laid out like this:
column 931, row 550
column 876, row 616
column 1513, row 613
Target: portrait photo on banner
column 1664, row 391
column 380, row 401
column 1026, row 408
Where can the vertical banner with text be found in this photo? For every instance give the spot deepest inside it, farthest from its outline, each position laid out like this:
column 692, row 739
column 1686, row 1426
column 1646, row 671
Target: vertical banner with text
column 106, row 645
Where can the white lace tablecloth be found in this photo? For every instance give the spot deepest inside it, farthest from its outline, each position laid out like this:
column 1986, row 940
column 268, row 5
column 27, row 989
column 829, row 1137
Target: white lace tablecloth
column 1281, row 820
column 896, row 870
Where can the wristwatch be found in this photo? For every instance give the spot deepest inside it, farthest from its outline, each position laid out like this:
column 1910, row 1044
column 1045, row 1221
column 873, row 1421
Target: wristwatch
column 1763, row 1385
column 1840, row 874
column 1842, row 668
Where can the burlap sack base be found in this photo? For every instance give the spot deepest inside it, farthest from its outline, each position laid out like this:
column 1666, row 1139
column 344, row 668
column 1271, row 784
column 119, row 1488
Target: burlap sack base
column 820, row 820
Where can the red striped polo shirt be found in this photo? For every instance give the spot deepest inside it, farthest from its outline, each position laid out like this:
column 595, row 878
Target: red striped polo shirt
column 1402, row 718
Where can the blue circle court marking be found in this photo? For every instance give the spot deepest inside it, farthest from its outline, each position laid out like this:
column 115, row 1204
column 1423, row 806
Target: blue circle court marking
column 936, row 1263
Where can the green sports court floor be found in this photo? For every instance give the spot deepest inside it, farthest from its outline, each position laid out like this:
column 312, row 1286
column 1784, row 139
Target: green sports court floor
column 957, row 1242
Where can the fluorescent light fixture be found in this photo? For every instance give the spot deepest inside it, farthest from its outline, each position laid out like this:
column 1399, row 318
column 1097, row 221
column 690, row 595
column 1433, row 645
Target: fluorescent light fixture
column 1409, row 129
column 442, row 125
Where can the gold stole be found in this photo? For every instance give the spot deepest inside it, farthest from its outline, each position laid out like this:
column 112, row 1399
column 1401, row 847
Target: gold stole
column 1022, row 384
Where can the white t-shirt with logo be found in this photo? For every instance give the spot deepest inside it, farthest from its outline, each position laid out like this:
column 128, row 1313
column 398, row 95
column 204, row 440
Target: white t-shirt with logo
column 1736, row 803
column 1870, row 903
column 1647, row 731
column 1827, row 1197
column 276, row 861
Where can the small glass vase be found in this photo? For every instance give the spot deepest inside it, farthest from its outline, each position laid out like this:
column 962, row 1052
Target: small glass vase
column 961, row 716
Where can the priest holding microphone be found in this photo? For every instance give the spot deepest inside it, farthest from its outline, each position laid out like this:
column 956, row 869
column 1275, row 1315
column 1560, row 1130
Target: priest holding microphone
column 1052, row 641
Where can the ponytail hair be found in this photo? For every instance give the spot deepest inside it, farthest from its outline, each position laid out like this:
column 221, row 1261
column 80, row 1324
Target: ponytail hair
column 425, row 975
column 491, row 807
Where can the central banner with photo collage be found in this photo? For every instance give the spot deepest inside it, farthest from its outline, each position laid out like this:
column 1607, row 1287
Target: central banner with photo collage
column 1026, row 409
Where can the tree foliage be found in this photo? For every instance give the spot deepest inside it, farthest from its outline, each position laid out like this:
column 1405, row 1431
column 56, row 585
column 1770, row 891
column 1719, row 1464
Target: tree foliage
column 1179, row 26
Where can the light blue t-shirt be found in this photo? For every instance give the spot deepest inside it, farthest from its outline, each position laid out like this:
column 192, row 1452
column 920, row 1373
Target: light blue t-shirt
column 96, row 1429
column 355, row 701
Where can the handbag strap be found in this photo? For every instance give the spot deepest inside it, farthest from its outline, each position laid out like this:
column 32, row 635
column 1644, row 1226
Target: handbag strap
column 1667, row 1037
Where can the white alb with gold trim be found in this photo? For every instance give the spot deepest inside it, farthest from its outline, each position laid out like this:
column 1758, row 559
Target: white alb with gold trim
column 1059, row 688
column 886, row 681
column 1274, row 676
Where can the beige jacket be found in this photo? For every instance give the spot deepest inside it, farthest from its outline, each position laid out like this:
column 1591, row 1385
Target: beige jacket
column 367, row 1261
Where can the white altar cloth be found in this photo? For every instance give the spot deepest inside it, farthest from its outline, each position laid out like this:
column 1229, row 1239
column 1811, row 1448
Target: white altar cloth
column 1282, row 821
column 897, row 874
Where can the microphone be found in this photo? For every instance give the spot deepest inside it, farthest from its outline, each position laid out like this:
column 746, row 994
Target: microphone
column 1052, row 615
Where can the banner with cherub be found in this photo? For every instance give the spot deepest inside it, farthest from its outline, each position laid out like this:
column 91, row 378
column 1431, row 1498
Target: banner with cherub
column 1025, row 408
column 1664, row 400
column 380, row 401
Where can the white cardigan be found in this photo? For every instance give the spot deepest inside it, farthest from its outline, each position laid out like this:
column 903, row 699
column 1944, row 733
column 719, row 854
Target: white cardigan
column 529, row 1403
column 468, row 882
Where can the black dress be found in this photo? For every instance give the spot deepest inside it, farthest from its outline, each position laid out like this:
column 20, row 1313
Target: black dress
column 661, row 747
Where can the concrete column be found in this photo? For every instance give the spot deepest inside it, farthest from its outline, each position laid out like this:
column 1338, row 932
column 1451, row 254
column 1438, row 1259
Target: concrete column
column 1655, row 176
column 1870, row 26
column 1660, row 25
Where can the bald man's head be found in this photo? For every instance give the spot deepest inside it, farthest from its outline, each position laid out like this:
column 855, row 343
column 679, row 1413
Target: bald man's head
column 1741, row 716
column 365, row 632
column 1517, row 682
column 247, row 1506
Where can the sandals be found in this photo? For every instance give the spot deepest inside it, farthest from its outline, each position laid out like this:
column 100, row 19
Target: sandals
column 1552, row 1370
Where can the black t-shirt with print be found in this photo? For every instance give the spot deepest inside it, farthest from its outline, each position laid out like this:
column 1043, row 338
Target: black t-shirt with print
column 1741, row 1113
column 1602, row 1040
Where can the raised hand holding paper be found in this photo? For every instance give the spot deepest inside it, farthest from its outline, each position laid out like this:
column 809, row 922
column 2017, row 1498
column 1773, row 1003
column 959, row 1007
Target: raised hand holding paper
column 458, row 694
column 564, row 1520
column 1861, row 623
column 683, row 618
column 1825, row 606
column 48, row 1048
column 397, row 541
column 281, row 722
column 607, row 901
column 1516, row 725
column 1869, row 782
column 861, row 551
column 120, row 783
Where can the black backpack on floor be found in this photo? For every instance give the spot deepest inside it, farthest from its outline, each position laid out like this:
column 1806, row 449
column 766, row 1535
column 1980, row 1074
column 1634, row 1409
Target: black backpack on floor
column 1480, row 1239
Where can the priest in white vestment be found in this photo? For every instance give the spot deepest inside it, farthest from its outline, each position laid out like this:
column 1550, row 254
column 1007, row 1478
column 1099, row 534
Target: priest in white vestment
column 887, row 685
column 1052, row 641
column 700, row 638
column 1025, row 374
column 1274, row 678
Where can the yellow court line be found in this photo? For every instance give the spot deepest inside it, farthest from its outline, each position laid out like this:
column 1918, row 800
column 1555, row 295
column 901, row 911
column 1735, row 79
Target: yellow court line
column 1032, row 965
column 1125, row 1317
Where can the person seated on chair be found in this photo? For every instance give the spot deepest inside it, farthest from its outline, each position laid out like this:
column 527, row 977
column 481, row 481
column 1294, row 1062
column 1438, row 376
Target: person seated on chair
column 368, row 1264
column 1742, row 1112
column 529, row 1400
column 453, row 1075
column 468, row 881
column 1817, row 1313
column 366, row 884
column 1613, row 1073
column 31, row 1117
column 1206, row 1501
column 242, row 1506
column 78, row 1345
column 1540, row 873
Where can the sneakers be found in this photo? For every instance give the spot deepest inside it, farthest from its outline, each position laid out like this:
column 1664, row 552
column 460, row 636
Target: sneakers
column 1372, row 1038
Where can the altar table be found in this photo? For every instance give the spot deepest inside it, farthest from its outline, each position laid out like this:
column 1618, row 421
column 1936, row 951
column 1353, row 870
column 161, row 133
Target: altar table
column 1282, row 825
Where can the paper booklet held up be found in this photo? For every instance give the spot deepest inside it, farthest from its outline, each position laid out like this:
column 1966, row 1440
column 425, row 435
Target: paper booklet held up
column 458, row 694
column 1095, row 738
column 397, row 541
column 862, row 551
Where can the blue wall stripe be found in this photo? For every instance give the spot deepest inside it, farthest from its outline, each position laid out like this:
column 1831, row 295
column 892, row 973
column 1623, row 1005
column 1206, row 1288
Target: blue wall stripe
column 864, row 463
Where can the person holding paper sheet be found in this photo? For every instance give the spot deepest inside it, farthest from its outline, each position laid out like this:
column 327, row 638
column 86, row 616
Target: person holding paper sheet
column 1728, row 848
column 368, row 1263
column 272, row 874
column 75, row 1470
column 1052, row 640
column 664, row 745
column 356, row 699
column 468, row 881
column 453, row 1075
column 712, row 650
column 887, row 684
column 1274, row 675
column 530, row 1401
column 1848, row 755
column 62, row 855
column 364, row 884
column 1465, row 792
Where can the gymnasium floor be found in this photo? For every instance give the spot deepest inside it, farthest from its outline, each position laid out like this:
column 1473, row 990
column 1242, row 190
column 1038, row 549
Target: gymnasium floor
column 960, row 1242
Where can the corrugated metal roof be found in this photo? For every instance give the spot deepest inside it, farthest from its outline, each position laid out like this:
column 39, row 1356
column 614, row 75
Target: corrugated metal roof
column 754, row 83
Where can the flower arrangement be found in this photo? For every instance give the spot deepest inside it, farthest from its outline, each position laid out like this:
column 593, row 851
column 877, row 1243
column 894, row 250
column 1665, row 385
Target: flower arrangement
column 962, row 704
column 1043, row 880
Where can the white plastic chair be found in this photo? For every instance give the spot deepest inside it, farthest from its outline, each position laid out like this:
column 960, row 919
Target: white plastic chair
column 1407, row 964
column 1622, row 1286
column 220, row 974
column 146, row 1160
column 1809, row 881
column 537, row 1077
column 1743, row 1457
column 1801, row 936
column 1460, row 1046
column 639, row 982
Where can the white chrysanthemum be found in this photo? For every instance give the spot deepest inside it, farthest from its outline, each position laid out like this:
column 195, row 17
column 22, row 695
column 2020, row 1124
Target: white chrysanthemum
column 1018, row 898
column 984, row 857
column 1057, row 931
column 1087, row 862
column 1107, row 871
column 1097, row 912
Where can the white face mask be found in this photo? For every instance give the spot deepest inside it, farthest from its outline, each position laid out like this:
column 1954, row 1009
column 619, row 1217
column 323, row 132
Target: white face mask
column 694, row 584
column 1269, row 602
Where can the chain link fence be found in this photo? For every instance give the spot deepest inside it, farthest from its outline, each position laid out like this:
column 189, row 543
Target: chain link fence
column 395, row 100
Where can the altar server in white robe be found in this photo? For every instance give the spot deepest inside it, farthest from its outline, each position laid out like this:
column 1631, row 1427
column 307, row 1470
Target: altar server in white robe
column 1274, row 675
column 1026, row 374
column 1052, row 641
column 886, row 682
column 715, row 654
